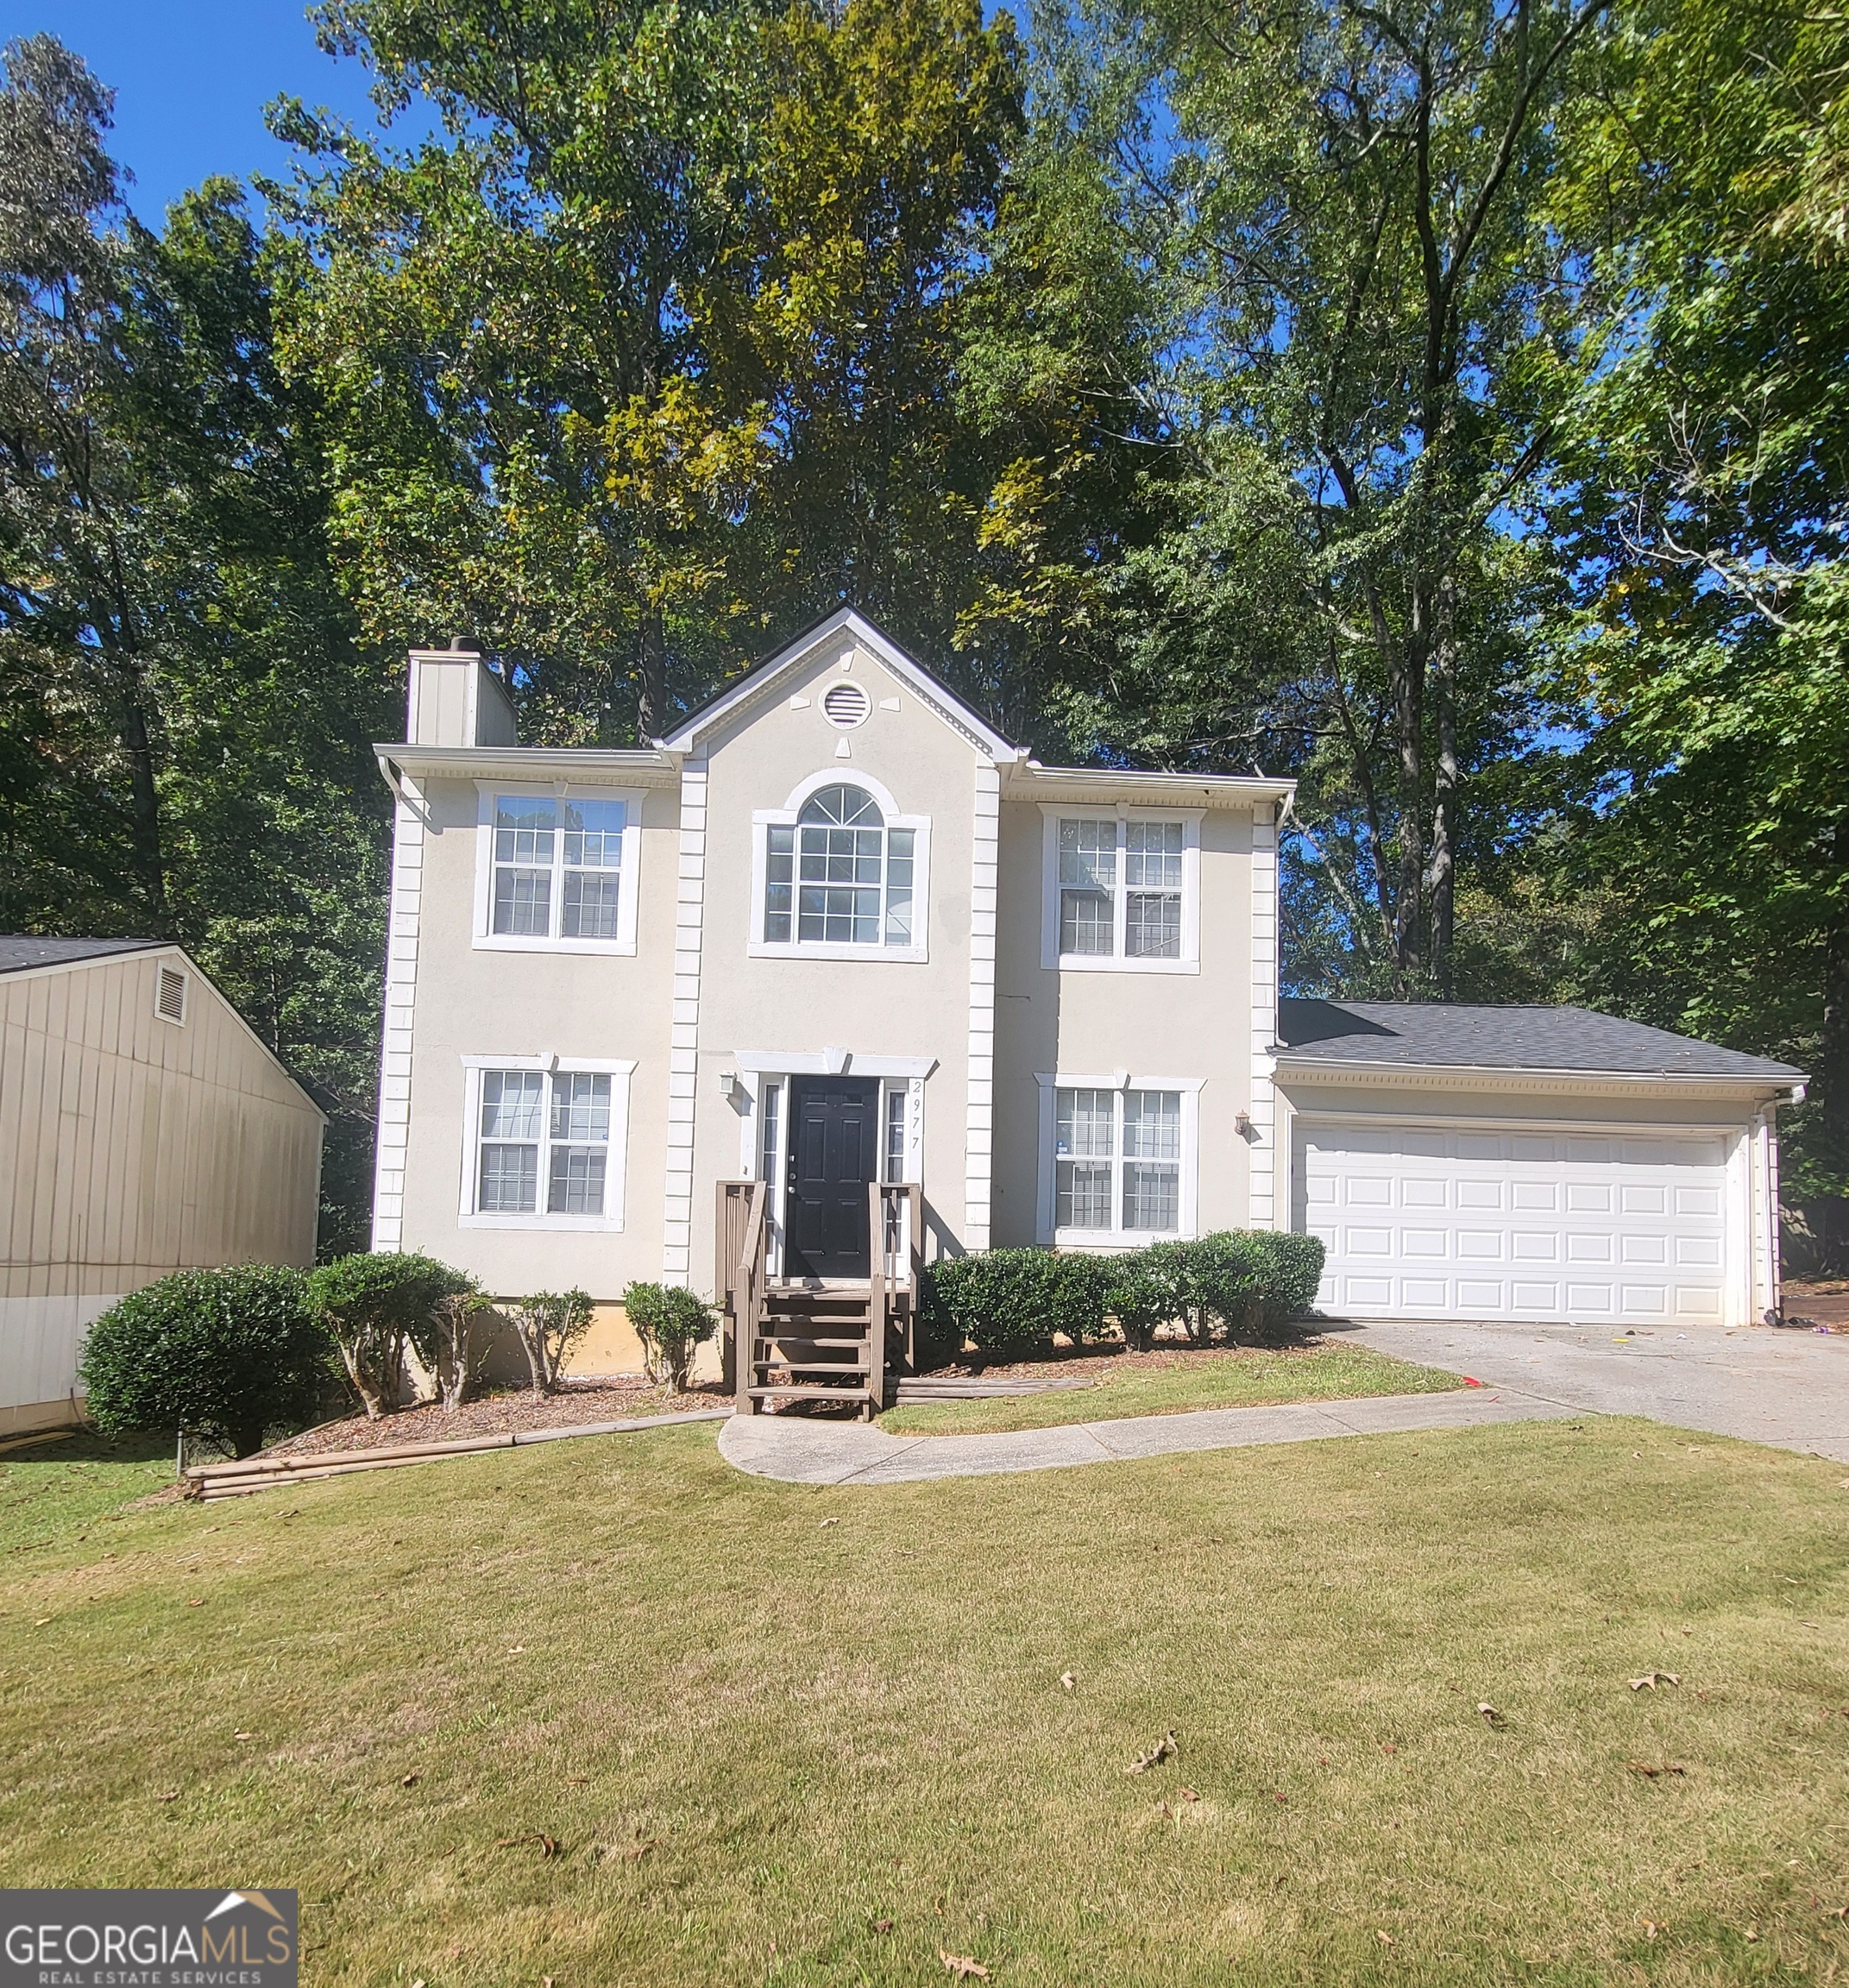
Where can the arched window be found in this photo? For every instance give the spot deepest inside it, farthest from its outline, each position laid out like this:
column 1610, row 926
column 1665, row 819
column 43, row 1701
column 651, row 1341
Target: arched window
column 839, row 875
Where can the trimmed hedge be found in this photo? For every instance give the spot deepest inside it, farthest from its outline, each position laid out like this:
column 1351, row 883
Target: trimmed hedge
column 1236, row 1281
column 227, row 1354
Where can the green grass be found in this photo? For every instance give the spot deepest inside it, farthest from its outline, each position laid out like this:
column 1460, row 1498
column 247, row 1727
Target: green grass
column 756, row 1736
column 1172, row 1382
column 52, row 1492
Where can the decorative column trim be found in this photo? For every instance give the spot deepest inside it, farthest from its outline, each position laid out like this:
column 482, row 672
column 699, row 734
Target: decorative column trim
column 1262, row 1150
column 683, row 1040
column 979, row 1135
column 404, row 908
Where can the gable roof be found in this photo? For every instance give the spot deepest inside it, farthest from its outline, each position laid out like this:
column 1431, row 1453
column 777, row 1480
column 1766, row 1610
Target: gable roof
column 19, row 950
column 1426, row 1035
column 759, row 684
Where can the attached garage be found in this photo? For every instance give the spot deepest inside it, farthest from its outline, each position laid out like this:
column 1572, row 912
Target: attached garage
column 1542, row 1164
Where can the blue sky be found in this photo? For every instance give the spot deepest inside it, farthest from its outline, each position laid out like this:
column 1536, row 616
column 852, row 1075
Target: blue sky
column 191, row 78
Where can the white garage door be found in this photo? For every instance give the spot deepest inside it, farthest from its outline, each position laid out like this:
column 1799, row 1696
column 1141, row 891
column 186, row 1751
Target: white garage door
column 1435, row 1223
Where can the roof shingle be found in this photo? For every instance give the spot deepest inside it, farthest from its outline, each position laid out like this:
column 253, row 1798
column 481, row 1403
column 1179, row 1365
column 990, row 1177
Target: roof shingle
column 1442, row 1034
column 19, row 950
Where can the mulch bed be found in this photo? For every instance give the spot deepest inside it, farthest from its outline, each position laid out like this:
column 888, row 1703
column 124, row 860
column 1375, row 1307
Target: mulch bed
column 499, row 1414
column 1825, row 1302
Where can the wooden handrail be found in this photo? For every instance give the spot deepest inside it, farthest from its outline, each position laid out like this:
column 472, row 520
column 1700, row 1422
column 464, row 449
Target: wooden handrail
column 741, row 1242
column 876, row 1297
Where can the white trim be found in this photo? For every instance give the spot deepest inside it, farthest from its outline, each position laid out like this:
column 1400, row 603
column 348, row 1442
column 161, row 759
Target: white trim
column 1093, row 787
column 763, row 681
column 1261, row 1149
column 629, row 881
column 978, row 1124
column 616, row 1169
column 830, row 1063
column 402, row 920
column 590, row 765
column 1543, row 1082
column 683, row 1052
column 1187, row 1213
column 1115, row 961
column 758, row 946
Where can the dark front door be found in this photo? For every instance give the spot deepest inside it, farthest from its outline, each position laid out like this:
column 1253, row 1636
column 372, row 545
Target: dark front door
column 833, row 1140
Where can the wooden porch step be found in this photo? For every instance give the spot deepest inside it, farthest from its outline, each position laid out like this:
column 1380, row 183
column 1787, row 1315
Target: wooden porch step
column 807, row 1339
column 807, row 1391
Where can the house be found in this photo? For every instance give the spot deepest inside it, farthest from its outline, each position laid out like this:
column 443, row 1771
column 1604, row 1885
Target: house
column 836, row 940
column 147, row 1129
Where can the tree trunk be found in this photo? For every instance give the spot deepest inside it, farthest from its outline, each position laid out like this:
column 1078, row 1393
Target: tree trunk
column 1833, row 1049
column 1445, row 805
column 651, row 686
column 1410, row 714
column 144, row 798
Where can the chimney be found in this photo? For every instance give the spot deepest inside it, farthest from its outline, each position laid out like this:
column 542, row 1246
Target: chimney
column 457, row 700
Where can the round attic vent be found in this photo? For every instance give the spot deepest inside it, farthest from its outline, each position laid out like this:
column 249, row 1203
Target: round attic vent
column 845, row 706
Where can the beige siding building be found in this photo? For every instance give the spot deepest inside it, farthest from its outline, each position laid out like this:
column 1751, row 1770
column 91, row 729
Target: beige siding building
column 834, row 935
column 147, row 1129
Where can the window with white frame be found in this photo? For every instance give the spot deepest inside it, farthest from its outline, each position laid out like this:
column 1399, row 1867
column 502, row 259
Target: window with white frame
column 839, row 873
column 1122, row 890
column 559, row 870
column 1119, row 1159
column 546, row 1144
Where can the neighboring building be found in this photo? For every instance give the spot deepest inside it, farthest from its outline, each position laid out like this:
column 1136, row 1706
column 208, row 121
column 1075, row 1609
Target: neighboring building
column 147, row 1129
column 834, row 929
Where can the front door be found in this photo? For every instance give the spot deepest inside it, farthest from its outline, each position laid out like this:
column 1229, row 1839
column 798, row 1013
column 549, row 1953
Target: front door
column 833, row 1145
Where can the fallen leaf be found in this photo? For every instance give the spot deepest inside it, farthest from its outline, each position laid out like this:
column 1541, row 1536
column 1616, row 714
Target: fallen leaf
column 243, row 1735
column 576, row 1780
column 831, row 1521
column 41, row 1621
column 200, row 1603
column 519, row 1650
column 882, row 1925
column 409, row 1781
column 1386, row 1938
column 1389, row 1747
column 1276, row 1795
column 1066, row 1680
column 172, row 1795
column 1188, row 1794
column 1163, row 1749
column 962, row 1966
column 1644, row 1768
column 1650, row 1679
column 1752, row 1932
column 635, row 1852
column 547, row 1845
column 1651, row 1928
column 1489, row 1712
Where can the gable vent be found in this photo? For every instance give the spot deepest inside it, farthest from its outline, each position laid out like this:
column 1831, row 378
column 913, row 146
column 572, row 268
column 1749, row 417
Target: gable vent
column 170, row 997
column 845, row 706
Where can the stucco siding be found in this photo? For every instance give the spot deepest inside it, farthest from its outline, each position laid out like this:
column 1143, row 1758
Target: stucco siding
column 137, row 1147
column 480, row 1002
column 882, row 1007
column 1180, row 1025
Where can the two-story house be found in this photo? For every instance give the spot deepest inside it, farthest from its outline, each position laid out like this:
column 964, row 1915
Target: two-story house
column 835, row 931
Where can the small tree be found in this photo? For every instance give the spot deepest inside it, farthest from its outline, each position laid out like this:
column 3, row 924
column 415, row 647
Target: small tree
column 672, row 1325
column 459, row 1360
column 373, row 1306
column 227, row 1354
column 548, row 1326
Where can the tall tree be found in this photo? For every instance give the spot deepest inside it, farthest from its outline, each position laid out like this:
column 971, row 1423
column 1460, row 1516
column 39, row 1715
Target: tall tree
column 184, row 734
column 1342, row 200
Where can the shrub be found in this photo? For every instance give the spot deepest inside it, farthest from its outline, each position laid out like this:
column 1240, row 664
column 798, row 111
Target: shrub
column 548, row 1326
column 457, row 1355
column 1007, row 1300
column 375, row 1304
column 227, row 1354
column 1234, row 1281
column 672, row 1324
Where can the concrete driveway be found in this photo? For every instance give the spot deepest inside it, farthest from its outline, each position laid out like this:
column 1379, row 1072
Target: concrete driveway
column 1788, row 1387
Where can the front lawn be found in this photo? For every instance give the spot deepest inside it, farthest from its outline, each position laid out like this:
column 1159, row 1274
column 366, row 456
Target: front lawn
column 605, row 1712
column 1170, row 1382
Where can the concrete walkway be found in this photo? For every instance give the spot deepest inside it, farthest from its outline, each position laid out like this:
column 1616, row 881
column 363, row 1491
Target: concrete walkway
column 801, row 1452
column 1789, row 1388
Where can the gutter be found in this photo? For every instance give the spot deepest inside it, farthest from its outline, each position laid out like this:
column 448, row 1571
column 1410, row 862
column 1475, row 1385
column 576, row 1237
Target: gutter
column 1792, row 1087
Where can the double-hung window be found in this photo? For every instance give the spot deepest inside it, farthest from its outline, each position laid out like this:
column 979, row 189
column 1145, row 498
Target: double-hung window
column 558, row 871
column 1122, row 891
column 1119, row 1160
column 545, row 1148
column 840, row 875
